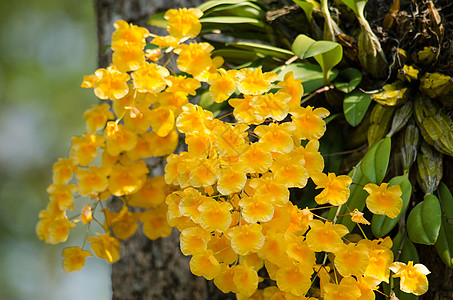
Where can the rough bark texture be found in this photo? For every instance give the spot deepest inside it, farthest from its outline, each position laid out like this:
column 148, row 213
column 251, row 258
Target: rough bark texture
column 148, row 269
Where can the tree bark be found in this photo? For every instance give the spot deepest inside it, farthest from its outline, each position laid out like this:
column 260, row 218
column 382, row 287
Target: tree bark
column 148, row 269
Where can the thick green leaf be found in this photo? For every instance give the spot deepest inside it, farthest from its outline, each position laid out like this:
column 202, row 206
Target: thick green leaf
column 246, row 59
column 424, row 221
column 444, row 243
column 331, row 143
column 357, row 6
column 328, row 54
column 310, row 74
column 409, row 252
column 238, row 31
column 235, row 56
column 205, row 100
column 376, row 160
column 158, row 20
column 348, row 80
column 262, row 62
column 208, row 103
column 263, row 49
column 397, row 243
column 446, row 201
column 301, row 70
column 328, row 60
column 305, row 47
column 406, row 252
column 355, row 106
column 314, row 83
column 356, row 199
column 381, row 225
column 213, row 3
column 307, row 7
column 232, row 20
column 243, row 9
column 330, row 119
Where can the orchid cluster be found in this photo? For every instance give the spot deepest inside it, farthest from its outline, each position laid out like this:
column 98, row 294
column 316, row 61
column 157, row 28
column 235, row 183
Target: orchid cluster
column 228, row 194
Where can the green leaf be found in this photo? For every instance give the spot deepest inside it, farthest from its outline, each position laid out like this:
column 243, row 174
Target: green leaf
column 305, row 47
column 243, row 9
column 328, row 60
column 444, row 243
column 310, row 74
column 381, row 225
column 446, row 200
column 330, row 119
column 213, row 3
column 205, row 100
column 158, row 20
column 357, row 6
column 408, row 250
column 307, row 7
column 235, row 56
column 328, row 54
column 231, row 20
column 263, row 49
column 348, row 80
column 208, row 103
column 301, row 70
column 376, row 160
column 424, row 221
column 331, row 143
column 355, row 106
column 238, row 31
column 261, row 62
column 356, row 199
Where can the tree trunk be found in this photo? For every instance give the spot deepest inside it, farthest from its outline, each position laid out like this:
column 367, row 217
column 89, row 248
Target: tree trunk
column 148, row 269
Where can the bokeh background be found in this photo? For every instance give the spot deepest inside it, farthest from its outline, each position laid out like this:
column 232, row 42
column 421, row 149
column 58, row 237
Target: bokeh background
column 46, row 46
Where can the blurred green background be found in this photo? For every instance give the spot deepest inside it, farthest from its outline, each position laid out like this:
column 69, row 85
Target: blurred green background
column 46, row 46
